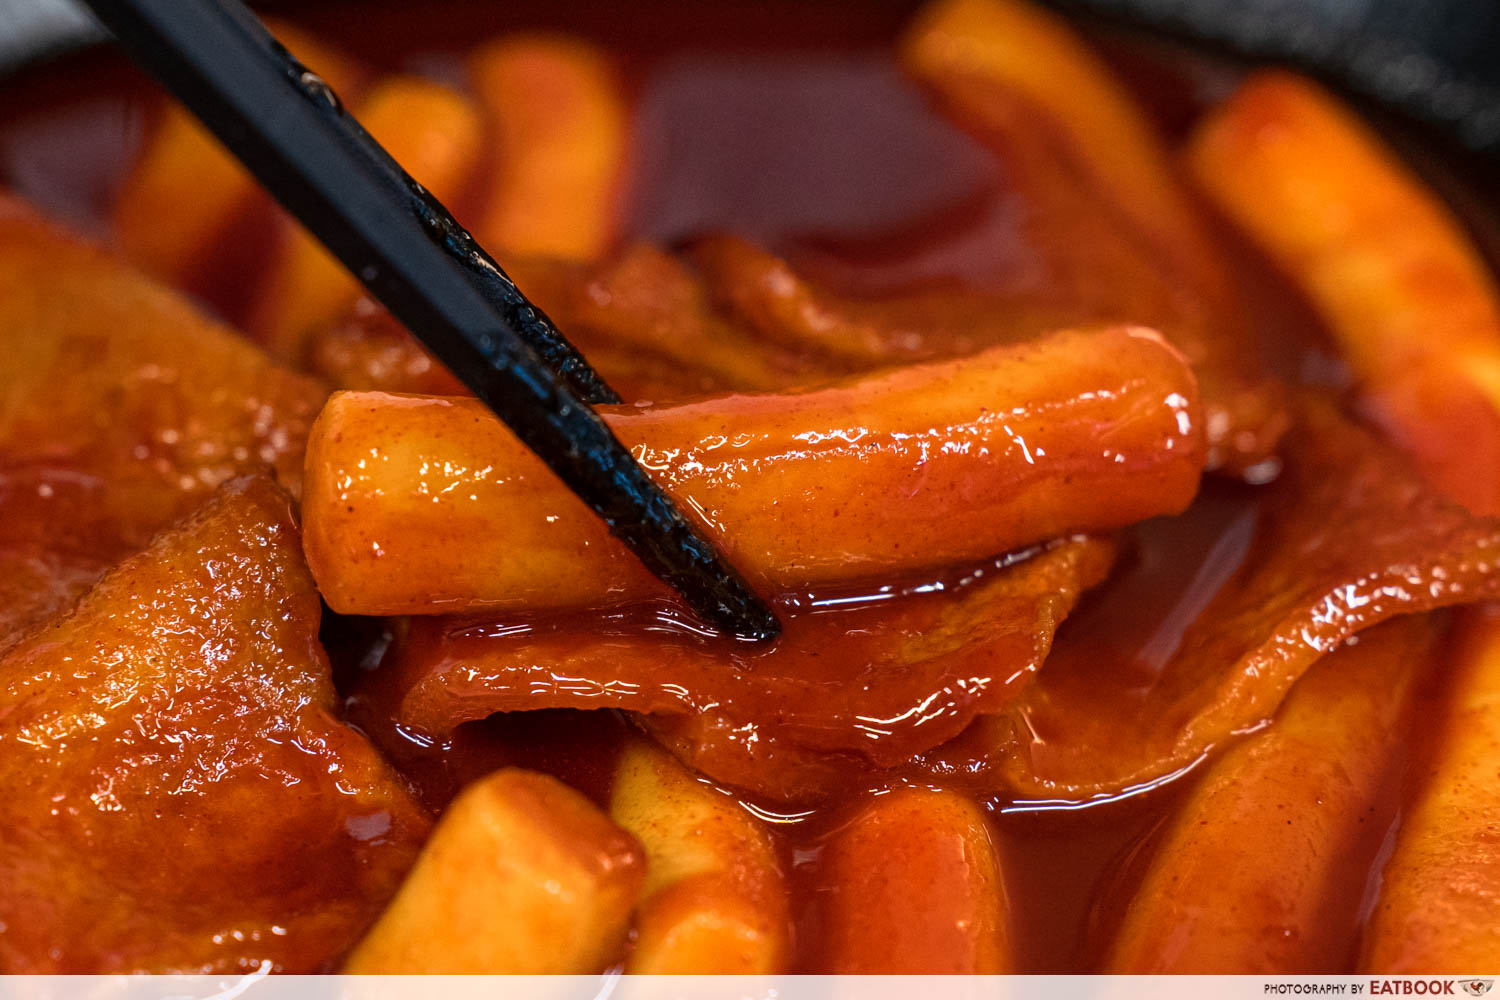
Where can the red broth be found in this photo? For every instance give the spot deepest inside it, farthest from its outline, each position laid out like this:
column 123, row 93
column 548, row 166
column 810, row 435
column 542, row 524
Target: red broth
column 789, row 123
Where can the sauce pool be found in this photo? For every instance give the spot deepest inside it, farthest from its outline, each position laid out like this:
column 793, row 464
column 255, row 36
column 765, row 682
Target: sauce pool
column 807, row 139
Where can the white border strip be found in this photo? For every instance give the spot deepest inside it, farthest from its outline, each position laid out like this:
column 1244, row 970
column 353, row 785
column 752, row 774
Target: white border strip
column 615, row 987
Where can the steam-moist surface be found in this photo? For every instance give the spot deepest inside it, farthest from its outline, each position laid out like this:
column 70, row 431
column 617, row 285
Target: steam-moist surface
column 423, row 505
column 121, row 408
column 770, row 852
column 179, row 795
column 1349, row 537
column 901, row 674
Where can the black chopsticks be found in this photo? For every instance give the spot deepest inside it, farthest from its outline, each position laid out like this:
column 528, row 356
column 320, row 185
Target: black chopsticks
column 289, row 130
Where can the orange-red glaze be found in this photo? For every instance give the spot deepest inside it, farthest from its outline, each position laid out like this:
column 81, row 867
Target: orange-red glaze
column 1041, row 59
column 579, row 747
column 1113, row 226
column 859, row 332
column 1389, row 267
column 1137, row 689
column 1438, row 907
column 1349, row 537
column 179, row 795
column 877, row 674
column 426, row 505
column 1102, row 231
column 642, row 318
column 715, row 899
column 121, row 408
column 912, row 884
column 368, row 348
column 647, row 321
column 522, row 875
column 1309, row 792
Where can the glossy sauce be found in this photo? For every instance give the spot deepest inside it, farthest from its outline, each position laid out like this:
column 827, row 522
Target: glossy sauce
column 1065, row 864
column 908, row 213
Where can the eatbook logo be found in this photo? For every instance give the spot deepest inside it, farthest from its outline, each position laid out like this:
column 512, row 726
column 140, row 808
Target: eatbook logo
column 1478, row 987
